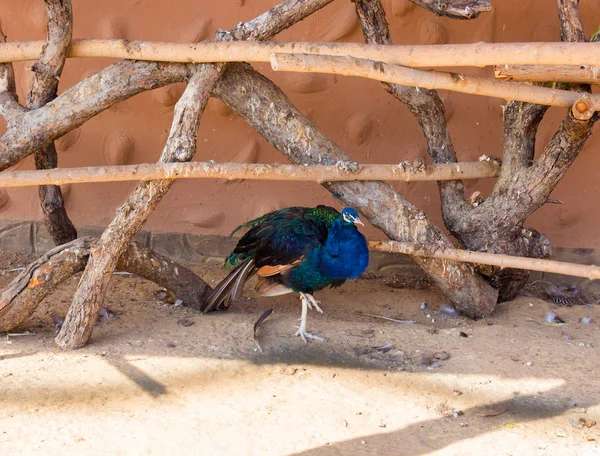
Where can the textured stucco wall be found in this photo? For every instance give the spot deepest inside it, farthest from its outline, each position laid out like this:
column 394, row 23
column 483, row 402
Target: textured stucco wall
column 368, row 123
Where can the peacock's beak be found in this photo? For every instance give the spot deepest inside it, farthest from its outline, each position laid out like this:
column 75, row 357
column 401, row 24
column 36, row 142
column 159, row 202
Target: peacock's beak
column 358, row 221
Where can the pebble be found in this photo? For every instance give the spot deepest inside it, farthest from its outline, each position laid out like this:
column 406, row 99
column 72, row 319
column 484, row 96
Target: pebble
column 551, row 317
column 586, row 320
column 529, row 363
column 423, row 305
column 561, row 433
column 448, row 310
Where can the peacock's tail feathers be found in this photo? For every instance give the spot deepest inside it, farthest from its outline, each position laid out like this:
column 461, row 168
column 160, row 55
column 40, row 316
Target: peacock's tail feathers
column 230, row 288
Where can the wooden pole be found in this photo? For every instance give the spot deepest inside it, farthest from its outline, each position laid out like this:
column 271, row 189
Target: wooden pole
column 231, row 171
column 396, row 74
column 504, row 261
column 445, row 55
column 580, row 74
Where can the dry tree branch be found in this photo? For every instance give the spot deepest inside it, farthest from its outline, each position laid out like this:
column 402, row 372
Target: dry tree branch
column 405, row 172
column 573, row 133
column 569, row 18
column 181, row 146
column 23, row 295
column 424, row 104
column 9, row 106
column 273, row 21
column 429, row 56
column 397, row 74
column 504, row 261
column 266, row 108
column 455, row 9
column 47, row 71
column 582, row 74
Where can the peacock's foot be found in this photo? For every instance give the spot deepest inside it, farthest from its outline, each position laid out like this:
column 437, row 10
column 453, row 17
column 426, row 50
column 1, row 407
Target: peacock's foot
column 312, row 302
column 305, row 335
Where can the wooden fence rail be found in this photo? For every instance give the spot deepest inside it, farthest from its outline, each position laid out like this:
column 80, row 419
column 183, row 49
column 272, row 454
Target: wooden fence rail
column 444, row 55
column 343, row 171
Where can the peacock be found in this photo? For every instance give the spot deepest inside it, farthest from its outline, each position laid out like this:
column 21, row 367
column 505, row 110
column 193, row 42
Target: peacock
column 296, row 249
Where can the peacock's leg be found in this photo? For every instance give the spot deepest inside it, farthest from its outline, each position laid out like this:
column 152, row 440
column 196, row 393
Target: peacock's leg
column 302, row 328
column 313, row 302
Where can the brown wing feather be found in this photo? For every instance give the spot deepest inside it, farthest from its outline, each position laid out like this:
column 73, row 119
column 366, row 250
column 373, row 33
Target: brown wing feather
column 268, row 271
column 268, row 287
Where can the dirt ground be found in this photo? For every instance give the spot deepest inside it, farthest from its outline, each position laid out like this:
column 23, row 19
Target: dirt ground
column 162, row 379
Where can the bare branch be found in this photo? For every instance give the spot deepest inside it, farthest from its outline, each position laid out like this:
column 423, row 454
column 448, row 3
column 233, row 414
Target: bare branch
column 22, row 296
column 569, row 18
column 582, row 74
column 426, row 79
column 558, row 155
column 267, row 110
column 503, row 261
column 456, row 9
column 521, row 122
column 9, row 106
column 417, row 56
column 407, row 172
column 272, row 22
column 573, row 133
column 181, row 146
column 47, row 71
column 424, row 104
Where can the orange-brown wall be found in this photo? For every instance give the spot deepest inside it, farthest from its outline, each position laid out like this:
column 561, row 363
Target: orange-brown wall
column 358, row 114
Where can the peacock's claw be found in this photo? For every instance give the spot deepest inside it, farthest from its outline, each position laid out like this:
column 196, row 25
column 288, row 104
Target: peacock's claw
column 311, row 301
column 308, row 335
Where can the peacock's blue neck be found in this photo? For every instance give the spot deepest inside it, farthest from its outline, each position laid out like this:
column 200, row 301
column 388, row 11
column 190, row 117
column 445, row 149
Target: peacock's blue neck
column 345, row 254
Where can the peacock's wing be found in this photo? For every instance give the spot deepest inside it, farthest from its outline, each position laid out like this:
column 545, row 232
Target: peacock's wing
column 278, row 241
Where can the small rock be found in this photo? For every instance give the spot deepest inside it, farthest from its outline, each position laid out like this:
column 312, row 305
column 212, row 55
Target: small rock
column 185, row 322
column 384, row 348
column 170, row 345
column 586, row 320
column 464, row 424
column 423, row 305
column 165, row 295
column 425, row 360
column 529, row 363
column 362, row 442
column 457, row 393
column 448, row 311
column 554, row 319
column 178, row 303
column 561, row 433
column 580, row 344
column 288, row 370
column 441, row 356
column 582, row 423
column 443, row 409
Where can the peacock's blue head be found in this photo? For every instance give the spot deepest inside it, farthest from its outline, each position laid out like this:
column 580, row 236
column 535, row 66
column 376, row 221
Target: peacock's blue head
column 350, row 217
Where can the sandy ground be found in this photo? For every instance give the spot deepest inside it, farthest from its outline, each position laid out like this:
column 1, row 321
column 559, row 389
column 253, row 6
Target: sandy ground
column 148, row 384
